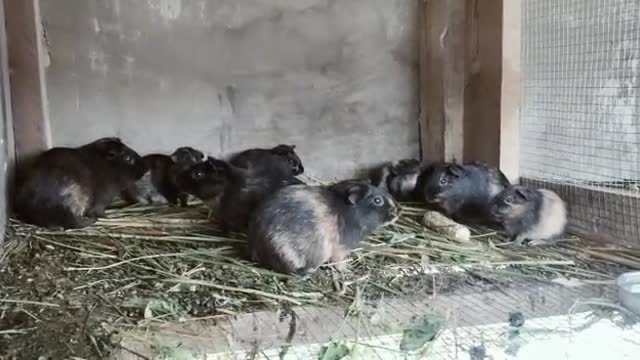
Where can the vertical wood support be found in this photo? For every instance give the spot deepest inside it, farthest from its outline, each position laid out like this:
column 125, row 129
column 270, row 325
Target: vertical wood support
column 511, row 89
column 27, row 78
column 484, row 77
column 442, row 79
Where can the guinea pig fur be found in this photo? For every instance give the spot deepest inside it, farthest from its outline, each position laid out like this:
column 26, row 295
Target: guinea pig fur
column 299, row 228
column 234, row 192
column 463, row 192
column 72, row 187
column 537, row 215
column 398, row 178
column 159, row 185
column 254, row 158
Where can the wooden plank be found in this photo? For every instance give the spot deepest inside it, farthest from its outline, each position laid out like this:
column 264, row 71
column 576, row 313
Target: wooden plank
column 28, row 94
column 442, row 79
column 601, row 214
column 6, row 132
column 511, row 89
column 470, row 306
column 483, row 82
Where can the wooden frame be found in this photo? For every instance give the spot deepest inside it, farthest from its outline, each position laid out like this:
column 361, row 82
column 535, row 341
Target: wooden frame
column 28, row 87
column 6, row 132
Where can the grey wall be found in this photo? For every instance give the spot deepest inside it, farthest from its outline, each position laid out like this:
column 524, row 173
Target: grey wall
column 336, row 77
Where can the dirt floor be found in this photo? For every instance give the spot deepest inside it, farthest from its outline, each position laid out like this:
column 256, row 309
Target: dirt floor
column 67, row 295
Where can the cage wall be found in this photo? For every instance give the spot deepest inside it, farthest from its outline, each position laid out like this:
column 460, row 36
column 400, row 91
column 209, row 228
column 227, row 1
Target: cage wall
column 580, row 133
column 337, row 78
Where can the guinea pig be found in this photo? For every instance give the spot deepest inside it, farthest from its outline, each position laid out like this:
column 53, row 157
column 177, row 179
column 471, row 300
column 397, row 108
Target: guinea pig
column 159, row 185
column 398, row 178
column 72, row 187
column 537, row 215
column 234, row 192
column 255, row 158
column 462, row 192
column 300, row 227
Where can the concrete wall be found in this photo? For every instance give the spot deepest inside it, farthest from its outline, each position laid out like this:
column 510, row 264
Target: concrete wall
column 336, row 77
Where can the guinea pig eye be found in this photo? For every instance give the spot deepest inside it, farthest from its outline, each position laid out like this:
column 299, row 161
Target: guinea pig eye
column 377, row 201
column 443, row 181
column 198, row 174
column 128, row 159
column 292, row 162
column 508, row 200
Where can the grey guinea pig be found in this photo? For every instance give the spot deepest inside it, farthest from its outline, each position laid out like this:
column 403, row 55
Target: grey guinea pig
column 537, row 215
column 159, row 184
column 255, row 158
column 299, row 228
column 233, row 192
column 72, row 187
column 399, row 178
column 461, row 192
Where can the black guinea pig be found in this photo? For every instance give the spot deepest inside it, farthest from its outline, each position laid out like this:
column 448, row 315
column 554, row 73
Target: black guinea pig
column 233, row 192
column 537, row 215
column 255, row 158
column 72, row 187
column 398, row 178
column 159, row 185
column 299, row 228
column 462, row 192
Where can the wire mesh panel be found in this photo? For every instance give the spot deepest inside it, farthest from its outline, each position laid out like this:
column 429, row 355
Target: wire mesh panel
column 580, row 133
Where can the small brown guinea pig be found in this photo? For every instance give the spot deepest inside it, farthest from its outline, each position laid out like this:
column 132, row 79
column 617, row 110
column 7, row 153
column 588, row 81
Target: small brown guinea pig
column 234, row 192
column 158, row 185
column 398, row 178
column 537, row 215
column 462, row 192
column 255, row 158
column 299, row 228
column 72, row 187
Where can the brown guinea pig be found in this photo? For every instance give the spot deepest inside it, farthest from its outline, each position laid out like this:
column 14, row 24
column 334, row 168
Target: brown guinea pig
column 234, row 192
column 72, row 187
column 299, row 228
column 159, row 185
column 255, row 158
column 461, row 192
column 537, row 215
column 398, row 178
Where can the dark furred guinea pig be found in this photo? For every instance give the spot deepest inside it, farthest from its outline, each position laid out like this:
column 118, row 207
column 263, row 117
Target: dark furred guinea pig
column 72, row 187
column 299, row 228
column 159, row 185
column 398, row 178
column 233, row 192
column 461, row 192
column 537, row 215
column 255, row 158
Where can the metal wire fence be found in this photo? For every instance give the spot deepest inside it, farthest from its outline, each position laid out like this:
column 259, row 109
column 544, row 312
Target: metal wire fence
column 580, row 127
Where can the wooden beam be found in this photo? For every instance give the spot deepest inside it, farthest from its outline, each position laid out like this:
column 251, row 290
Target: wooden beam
column 596, row 213
column 511, row 90
column 6, row 133
column 442, row 79
column 483, row 81
column 27, row 78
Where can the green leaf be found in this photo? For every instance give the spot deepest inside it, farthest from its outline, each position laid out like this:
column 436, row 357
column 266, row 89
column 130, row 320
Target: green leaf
column 421, row 332
column 334, row 351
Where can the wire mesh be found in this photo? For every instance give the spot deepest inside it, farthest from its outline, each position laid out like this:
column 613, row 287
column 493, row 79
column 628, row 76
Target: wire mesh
column 580, row 132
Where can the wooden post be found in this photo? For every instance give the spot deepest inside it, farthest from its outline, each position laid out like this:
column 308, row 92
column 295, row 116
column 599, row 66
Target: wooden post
column 511, row 90
column 442, row 79
column 27, row 78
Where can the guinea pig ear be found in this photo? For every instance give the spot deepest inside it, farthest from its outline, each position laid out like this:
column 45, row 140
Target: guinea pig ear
column 355, row 193
column 455, row 170
column 523, row 192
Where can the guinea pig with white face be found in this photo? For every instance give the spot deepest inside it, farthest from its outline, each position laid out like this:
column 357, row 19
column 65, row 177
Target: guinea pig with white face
column 300, row 227
column 537, row 215
column 462, row 192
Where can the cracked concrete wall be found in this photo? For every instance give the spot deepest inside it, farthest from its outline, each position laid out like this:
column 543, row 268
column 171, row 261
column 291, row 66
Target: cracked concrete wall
column 338, row 78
